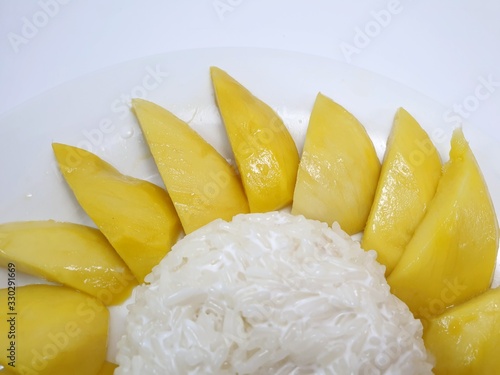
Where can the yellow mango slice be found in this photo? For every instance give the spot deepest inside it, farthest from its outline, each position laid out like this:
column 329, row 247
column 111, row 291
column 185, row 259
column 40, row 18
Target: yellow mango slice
column 71, row 254
column 465, row 338
column 52, row 330
column 338, row 170
column 136, row 216
column 451, row 257
column 265, row 152
column 408, row 181
column 107, row 368
column 202, row 184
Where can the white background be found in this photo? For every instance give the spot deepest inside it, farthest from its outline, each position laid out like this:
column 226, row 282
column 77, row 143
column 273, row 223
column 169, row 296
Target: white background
column 446, row 50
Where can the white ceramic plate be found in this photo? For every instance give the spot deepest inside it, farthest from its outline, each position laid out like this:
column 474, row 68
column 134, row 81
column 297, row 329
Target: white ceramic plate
column 93, row 113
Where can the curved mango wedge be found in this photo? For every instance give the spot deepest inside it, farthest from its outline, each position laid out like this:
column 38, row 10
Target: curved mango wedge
column 52, row 330
column 451, row 257
column 465, row 338
column 71, row 254
column 408, row 181
column 136, row 216
column 202, row 184
column 338, row 170
column 264, row 150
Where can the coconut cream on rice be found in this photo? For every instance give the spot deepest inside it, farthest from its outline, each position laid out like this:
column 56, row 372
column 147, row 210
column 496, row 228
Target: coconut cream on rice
column 270, row 294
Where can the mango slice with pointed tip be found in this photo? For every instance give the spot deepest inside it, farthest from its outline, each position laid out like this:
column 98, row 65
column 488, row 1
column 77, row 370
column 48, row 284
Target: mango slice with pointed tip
column 136, row 216
column 202, row 184
column 52, row 330
column 408, row 180
column 451, row 257
column 71, row 254
column 107, row 368
column 265, row 152
column 338, row 170
column 465, row 338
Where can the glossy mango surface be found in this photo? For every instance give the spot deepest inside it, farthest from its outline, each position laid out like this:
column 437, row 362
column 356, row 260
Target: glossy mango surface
column 71, row 254
column 451, row 257
column 465, row 338
column 52, row 330
column 408, row 180
column 265, row 152
column 136, row 216
column 338, row 170
column 202, row 184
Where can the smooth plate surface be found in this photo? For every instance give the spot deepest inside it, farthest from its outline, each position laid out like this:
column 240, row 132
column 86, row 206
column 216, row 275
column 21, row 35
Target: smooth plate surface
column 93, row 112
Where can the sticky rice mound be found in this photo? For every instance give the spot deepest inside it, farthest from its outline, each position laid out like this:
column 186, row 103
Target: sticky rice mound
column 270, row 294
